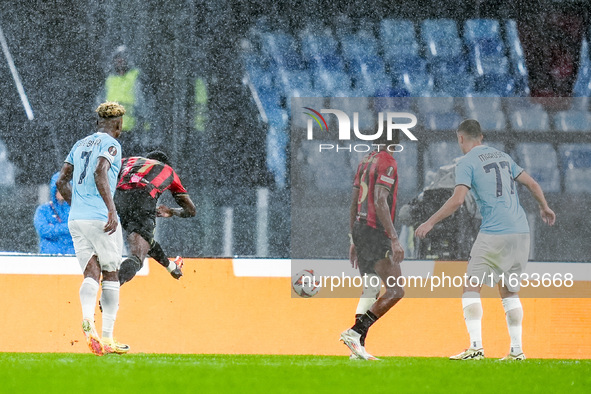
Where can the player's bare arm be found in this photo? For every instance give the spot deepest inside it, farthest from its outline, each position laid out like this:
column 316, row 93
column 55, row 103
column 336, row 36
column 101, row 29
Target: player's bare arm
column 548, row 215
column 352, row 219
column 383, row 213
column 450, row 206
column 63, row 182
column 187, row 208
column 102, row 184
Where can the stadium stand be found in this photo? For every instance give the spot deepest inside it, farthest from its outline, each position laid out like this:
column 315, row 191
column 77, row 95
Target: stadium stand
column 576, row 166
column 541, row 162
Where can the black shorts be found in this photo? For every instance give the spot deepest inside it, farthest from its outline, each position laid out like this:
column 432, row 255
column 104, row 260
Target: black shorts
column 372, row 245
column 137, row 212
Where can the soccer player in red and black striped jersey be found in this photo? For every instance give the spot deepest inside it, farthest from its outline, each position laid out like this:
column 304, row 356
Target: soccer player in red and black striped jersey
column 142, row 181
column 374, row 242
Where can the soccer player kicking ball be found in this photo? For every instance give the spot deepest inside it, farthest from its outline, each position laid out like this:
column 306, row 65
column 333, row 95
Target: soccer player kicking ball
column 374, row 242
column 93, row 166
column 501, row 248
column 142, row 181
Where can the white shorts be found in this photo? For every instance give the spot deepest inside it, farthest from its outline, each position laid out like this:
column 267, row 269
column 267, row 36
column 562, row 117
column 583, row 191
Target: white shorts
column 499, row 256
column 90, row 239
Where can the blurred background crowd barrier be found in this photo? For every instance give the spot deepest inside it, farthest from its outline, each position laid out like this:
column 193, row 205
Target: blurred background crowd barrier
column 211, row 83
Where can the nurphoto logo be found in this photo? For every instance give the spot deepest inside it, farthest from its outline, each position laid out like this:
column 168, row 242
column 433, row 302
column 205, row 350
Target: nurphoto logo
column 404, row 122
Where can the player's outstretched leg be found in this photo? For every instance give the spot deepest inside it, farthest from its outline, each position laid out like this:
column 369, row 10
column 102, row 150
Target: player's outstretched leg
column 129, row 267
column 473, row 318
column 173, row 267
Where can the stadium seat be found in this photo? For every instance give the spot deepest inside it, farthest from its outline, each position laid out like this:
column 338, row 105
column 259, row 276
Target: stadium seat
column 368, row 84
column 441, row 121
column 359, row 45
column 366, row 64
column 540, row 161
column 293, row 80
column 398, row 40
column 482, row 103
column 417, row 84
column 453, row 85
column 576, row 166
column 498, row 84
column 483, row 34
column 572, row 121
column 533, row 119
column 329, row 82
column 315, row 43
column 441, row 39
column 490, row 120
column 411, row 64
column 281, row 48
column 435, row 104
column 328, row 62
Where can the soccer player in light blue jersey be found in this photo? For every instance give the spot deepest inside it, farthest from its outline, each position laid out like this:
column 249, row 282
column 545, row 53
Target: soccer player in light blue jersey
column 93, row 165
column 501, row 249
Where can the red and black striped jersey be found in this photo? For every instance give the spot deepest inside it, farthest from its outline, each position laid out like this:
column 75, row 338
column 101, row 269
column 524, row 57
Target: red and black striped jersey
column 157, row 177
column 376, row 169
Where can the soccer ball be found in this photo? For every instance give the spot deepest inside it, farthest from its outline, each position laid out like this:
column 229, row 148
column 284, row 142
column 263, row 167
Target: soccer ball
column 304, row 284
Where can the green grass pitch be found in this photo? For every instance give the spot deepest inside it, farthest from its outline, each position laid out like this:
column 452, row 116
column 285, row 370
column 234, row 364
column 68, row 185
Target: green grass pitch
column 168, row 373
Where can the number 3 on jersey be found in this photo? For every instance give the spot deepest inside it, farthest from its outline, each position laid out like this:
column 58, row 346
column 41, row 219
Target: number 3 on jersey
column 497, row 167
column 86, row 157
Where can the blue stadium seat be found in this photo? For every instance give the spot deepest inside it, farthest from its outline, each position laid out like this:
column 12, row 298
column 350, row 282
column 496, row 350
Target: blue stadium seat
column 260, row 78
column 533, row 119
column 576, row 166
column 329, row 82
column 482, row 29
column 359, row 45
column 441, row 39
column 454, row 85
column 417, row 84
column 398, row 39
column 368, row 64
column 383, row 102
column 435, row 104
column 481, row 104
column 441, row 121
column 281, row 48
column 368, row 84
column 540, row 161
column 318, row 43
column 330, row 62
column 572, row 121
column 490, row 120
column 293, row 80
column 499, row 84
column 411, row 64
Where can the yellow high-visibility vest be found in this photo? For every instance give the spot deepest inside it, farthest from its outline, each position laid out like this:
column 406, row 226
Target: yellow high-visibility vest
column 121, row 88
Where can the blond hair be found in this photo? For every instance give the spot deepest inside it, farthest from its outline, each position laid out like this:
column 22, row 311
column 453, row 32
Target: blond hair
column 110, row 109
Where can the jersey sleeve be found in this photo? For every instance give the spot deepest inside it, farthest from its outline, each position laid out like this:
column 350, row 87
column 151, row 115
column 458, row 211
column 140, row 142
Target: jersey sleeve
column 176, row 187
column 70, row 157
column 110, row 150
column 516, row 170
column 387, row 172
column 464, row 173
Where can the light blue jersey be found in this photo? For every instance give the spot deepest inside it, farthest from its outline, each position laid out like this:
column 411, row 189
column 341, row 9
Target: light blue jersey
column 87, row 203
column 490, row 174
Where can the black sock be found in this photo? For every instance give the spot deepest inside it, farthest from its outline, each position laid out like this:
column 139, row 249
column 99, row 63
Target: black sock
column 363, row 323
column 362, row 339
column 157, row 254
column 129, row 267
